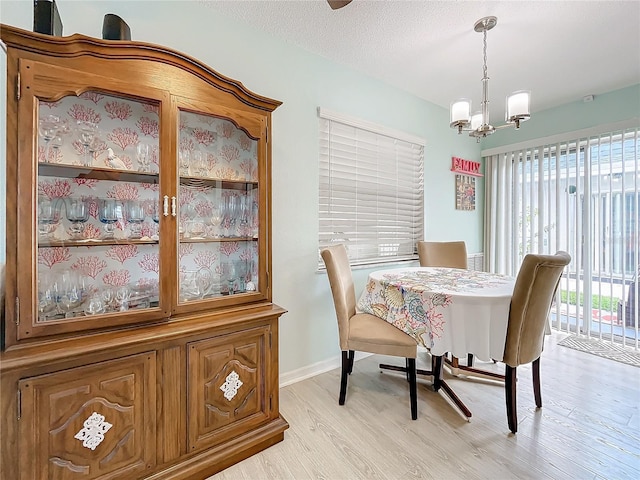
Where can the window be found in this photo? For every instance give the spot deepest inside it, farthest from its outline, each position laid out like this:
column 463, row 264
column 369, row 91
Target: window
column 371, row 190
column 578, row 192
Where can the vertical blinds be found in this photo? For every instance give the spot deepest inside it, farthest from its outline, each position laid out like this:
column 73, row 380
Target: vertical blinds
column 371, row 190
column 579, row 193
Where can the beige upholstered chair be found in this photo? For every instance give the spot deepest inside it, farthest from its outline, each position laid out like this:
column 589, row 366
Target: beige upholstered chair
column 533, row 295
column 443, row 254
column 364, row 332
column 449, row 255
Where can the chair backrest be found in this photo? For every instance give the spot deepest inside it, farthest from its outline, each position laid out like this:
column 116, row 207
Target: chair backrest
column 341, row 281
column 533, row 295
column 442, row 254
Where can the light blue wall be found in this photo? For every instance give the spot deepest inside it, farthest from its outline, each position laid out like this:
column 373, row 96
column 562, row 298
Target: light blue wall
column 303, row 82
column 607, row 108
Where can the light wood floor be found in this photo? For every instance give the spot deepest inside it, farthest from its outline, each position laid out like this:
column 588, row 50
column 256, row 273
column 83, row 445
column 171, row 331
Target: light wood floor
column 588, row 428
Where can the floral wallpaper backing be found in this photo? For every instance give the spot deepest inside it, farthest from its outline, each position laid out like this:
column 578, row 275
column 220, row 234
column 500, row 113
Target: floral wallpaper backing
column 101, row 131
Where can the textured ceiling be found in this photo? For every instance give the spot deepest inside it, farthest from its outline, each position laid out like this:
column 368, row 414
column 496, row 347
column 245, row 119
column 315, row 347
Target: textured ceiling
column 560, row 50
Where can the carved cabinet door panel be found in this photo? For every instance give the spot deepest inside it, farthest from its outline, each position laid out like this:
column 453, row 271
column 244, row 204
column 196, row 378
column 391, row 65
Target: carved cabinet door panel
column 227, row 391
column 96, row 421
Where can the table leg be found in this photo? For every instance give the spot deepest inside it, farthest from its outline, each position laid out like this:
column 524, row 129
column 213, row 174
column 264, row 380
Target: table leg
column 457, row 369
column 438, row 381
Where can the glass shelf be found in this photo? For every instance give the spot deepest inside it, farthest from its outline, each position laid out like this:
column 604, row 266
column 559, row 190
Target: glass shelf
column 91, row 242
column 96, row 173
column 204, row 183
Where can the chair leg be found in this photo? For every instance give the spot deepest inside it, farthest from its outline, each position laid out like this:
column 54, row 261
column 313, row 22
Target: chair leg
column 346, row 363
column 407, row 366
column 352, row 355
column 510, row 394
column 413, row 394
column 536, row 382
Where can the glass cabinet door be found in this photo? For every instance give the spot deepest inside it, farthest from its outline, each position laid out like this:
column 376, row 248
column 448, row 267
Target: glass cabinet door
column 96, row 210
column 98, row 206
column 219, row 199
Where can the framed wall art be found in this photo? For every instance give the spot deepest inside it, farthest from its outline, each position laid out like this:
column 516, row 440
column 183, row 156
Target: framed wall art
column 465, row 192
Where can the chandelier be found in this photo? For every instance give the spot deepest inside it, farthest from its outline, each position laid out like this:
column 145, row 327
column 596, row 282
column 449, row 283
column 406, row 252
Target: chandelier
column 478, row 125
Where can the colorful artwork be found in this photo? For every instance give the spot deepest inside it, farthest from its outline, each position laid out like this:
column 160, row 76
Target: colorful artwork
column 465, row 192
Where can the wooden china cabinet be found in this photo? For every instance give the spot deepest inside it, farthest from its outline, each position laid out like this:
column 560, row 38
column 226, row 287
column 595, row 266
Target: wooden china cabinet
column 139, row 336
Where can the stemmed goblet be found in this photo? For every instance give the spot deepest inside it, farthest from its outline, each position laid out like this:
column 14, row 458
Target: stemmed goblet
column 184, row 159
column 135, row 216
column 108, row 214
column 122, row 297
column 48, row 215
column 204, row 281
column 77, row 211
column 69, row 292
column 229, row 270
column 242, row 268
column 216, row 220
column 86, row 133
column 56, row 143
column 245, row 214
column 46, row 296
column 199, row 163
column 143, row 156
column 230, row 204
column 156, row 211
column 48, row 128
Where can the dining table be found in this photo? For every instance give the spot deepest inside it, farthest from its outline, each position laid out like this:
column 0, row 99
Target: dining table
column 447, row 310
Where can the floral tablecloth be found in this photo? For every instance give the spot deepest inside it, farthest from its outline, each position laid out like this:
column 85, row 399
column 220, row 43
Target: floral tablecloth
column 445, row 309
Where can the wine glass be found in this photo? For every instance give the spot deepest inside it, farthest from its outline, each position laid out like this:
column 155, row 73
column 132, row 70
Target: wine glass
column 48, row 129
column 242, row 267
column 231, row 213
column 56, row 143
column 135, row 216
column 155, row 211
column 108, row 214
column 246, row 205
column 122, row 296
column 142, row 154
column 187, row 214
column 204, row 280
column 86, row 134
column 108, row 296
column 216, row 220
column 95, row 305
column 70, row 292
column 77, row 210
column 252, row 275
column 48, row 215
column 198, row 161
column 46, row 296
column 230, row 274
column 184, row 159
column 189, row 288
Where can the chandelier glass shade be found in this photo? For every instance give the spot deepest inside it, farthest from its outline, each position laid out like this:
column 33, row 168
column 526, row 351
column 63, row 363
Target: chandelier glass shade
column 477, row 124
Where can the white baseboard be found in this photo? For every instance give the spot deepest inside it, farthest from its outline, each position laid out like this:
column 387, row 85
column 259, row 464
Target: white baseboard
column 309, row 371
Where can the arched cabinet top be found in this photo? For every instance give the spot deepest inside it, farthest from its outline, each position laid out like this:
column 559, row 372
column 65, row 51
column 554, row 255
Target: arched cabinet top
column 78, row 45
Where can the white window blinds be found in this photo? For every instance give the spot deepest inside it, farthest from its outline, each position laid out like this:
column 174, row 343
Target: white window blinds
column 371, row 190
